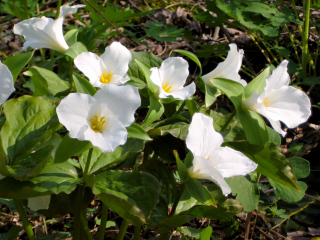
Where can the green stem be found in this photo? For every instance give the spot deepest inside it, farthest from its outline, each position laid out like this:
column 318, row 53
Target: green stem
column 262, row 50
column 268, row 49
column 103, row 223
column 305, row 38
column 71, row 71
column 85, row 228
column 228, row 121
column 58, row 8
column 86, row 169
column 176, row 202
column 24, row 219
column 136, row 232
column 291, row 36
column 26, row 8
column 122, row 230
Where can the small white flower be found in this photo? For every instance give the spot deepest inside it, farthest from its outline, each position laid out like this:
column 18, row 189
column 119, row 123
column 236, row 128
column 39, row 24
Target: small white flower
column 229, row 68
column 101, row 119
column 280, row 102
column 211, row 161
column 171, row 77
column 110, row 67
column 45, row 32
column 6, row 81
column 38, row 203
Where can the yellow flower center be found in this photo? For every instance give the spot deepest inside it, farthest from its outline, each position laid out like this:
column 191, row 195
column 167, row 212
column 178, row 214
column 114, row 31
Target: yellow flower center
column 215, row 166
column 166, row 87
column 105, row 78
column 265, row 102
column 97, row 123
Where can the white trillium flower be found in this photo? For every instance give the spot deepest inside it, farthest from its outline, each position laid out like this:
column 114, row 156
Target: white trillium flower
column 211, row 161
column 171, row 77
column 6, row 81
column 229, row 68
column 45, row 32
column 280, row 102
column 38, row 203
column 101, row 119
column 110, row 67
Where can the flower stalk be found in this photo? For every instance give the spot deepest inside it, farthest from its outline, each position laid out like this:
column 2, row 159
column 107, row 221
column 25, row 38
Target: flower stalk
column 103, row 223
column 305, row 37
column 24, row 218
column 122, row 230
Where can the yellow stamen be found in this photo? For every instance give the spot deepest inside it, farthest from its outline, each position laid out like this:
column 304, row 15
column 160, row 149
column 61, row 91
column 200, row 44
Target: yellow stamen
column 208, row 157
column 264, row 101
column 97, row 123
column 215, row 166
column 105, row 78
column 166, row 87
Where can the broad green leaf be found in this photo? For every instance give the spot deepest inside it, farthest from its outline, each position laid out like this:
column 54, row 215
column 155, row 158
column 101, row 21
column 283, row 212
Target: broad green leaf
column 47, row 82
column 227, row 209
column 192, row 105
column 146, row 71
column 206, row 233
column 182, row 169
column 76, row 49
column 191, row 56
column 101, row 161
column 70, row 147
column 245, row 188
column 211, row 95
column 300, row 167
column 161, row 32
column 176, row 119
column 169, row 223
column 254, row 126
column 274, row 136
column 169, row 189
column 199, row 192
column 71, row 36
column 233, row 90
column 137, row 132
column 156, row 110
column 258, row 84
column 53, row 179
column 30, row 122
column 83, row 85
column 139, row 189
column 17, row 63
column 178, row 130
column 288, row 194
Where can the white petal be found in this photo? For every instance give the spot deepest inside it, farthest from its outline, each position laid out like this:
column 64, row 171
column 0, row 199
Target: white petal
column 202, row 169
column 119, row 102
column 6, row 81
column 73, row 113
column 202, row 137
column 229, row 68
column 174, row 71
column 90, row 64
column 254, row 103
column 185, row 92
column 38, row 203
column 116, row 59
column 231, row 163
column 289, row 105
column 42, row 33
column 65, row 9
column 279, row 77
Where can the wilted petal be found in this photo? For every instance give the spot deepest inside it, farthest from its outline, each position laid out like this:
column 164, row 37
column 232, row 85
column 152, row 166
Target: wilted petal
column 6, row 81
column 90, row 64
column 119, row 102
column 116, row 59
column 38, row 203
column 203, row 169
column 229, row 68
column 231, row 163
column 202, row 137
column 279, row 77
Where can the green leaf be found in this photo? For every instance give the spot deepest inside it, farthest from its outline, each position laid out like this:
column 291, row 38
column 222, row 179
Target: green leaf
column 233, row 90
column 136, row 131
column 206, row 233
column 288, row 194
column 173, row 222
column 274, row 136
column 156, row 110
column 199, row 192
column 71, row 36
column 211, row 95
column 254, row 126
column 76, row 49
column 245, row 188
column 258, row 84
column 146, row 71
column 182, row 169
column 161, row 32
column 226, row 209
column 47, row 82
column 17, row 63
column 192, row 105
column 30, row 122
column 192, row 56
column 70, row 147
column 83, row 85
column 178, row 130
column 137, row 192
column 300, row 167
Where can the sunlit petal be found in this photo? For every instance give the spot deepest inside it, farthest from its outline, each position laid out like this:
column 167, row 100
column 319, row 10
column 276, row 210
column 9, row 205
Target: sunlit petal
column 279, row 77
